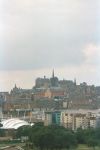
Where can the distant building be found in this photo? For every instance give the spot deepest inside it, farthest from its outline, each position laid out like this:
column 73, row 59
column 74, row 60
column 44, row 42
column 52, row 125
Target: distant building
column 64, row 94
column 46, row 83
column 48, row 118
column 52, row 118
column 54, row 80
column 56, row 116
column 72, row 119
column 80, row 121
column 56, row 92
column 67, row 120
column 42, row 83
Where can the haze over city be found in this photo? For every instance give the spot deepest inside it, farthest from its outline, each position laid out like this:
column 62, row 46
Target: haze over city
column 37, row 36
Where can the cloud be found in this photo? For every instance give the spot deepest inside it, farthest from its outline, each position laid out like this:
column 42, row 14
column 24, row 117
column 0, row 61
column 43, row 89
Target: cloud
column 46, row 34
column 92, row 54
column 40, row 34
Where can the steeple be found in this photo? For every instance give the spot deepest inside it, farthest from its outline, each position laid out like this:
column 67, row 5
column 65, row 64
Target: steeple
column 54, row 80
column 53, row 74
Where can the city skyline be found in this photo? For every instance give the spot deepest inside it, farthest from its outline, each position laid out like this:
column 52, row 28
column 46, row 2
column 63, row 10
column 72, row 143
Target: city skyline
column 44, row 76
column 37, row 36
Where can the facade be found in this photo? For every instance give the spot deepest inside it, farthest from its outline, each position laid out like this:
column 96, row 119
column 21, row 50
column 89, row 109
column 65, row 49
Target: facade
column 48, row 118
column 92, row 122
column 72, row 120
column 80, row 121
column 67, row 120
column 56, row 116
column 52, row 117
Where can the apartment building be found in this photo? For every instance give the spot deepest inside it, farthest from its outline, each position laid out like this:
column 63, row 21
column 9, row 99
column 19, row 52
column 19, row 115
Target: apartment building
column 52, row 117
column 67, row 120
column 72, row 120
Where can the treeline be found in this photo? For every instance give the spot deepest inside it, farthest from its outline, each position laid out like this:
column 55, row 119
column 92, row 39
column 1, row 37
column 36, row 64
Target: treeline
column 57, row 137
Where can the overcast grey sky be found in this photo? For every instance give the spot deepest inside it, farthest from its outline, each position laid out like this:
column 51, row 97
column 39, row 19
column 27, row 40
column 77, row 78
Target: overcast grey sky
column 39, row 35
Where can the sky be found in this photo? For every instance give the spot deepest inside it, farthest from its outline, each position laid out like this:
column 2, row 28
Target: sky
column 37, row 36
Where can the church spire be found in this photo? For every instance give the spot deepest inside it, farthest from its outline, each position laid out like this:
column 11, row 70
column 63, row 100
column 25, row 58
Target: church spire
column 53, row 75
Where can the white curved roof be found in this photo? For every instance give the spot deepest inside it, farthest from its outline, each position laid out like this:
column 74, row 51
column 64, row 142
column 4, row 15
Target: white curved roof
column 13, row 123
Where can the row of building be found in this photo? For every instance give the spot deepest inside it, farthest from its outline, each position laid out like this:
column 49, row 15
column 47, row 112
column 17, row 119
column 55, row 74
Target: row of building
column 73, row 119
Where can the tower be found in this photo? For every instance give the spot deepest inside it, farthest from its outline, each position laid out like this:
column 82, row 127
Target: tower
column 53, row 75
column 54, row 80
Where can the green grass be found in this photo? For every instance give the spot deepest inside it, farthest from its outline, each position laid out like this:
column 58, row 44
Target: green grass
column 85, row 147
column 80, row 147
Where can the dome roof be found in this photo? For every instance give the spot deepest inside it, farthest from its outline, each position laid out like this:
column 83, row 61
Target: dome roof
column 13, row 123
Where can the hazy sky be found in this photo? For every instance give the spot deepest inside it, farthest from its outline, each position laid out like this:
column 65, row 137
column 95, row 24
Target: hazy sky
column 39, row 35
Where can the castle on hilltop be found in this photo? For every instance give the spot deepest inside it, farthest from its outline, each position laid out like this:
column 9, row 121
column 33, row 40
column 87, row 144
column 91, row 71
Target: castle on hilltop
column 48, row 91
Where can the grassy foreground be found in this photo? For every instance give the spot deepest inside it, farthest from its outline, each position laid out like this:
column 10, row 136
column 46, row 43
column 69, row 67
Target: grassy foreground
column 80, row 147
column 85, row 147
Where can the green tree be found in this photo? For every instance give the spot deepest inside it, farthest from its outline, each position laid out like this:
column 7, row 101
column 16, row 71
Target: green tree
column 92, row 143
column 23, row 131
column 2, row 132
column 52, row 137
column 80, row 136
column 69, row 140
